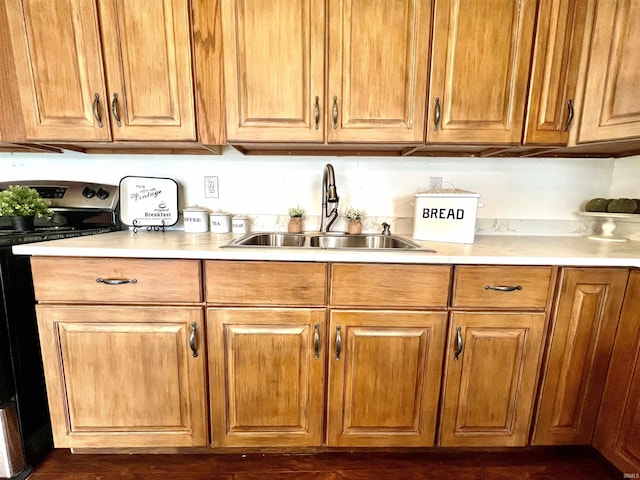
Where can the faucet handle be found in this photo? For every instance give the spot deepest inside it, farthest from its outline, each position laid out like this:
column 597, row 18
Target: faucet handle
column 386, row 228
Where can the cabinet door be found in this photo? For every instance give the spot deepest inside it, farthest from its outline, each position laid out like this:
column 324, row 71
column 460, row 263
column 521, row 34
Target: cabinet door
column 274, row 69
column 479, row 70
column 611, row 107
column 147, row 58
column 490, row 384
column 616, row 435
column 384, row 378
column 582, row 332
column 124, row 376
column 58, row 59
column 556, row 57
column 378, row 61
column 266, row 376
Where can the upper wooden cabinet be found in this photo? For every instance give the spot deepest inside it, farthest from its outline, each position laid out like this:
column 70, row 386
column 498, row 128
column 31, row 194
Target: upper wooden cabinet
column 611, row 108
column 277, row 89
column 479, row 70
column 106, row 70
column 554, row 71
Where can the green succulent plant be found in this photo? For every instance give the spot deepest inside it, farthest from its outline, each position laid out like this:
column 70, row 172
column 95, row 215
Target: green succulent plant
column 296, row 211
column 354, row 214
column 22, row 201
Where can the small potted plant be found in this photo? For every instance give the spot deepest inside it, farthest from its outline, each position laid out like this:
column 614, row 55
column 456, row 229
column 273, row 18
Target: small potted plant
column 295, row 222
column 22, row 204
column 355, row 217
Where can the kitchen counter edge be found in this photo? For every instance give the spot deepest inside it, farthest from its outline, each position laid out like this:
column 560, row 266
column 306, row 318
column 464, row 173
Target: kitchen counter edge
column 487, row 249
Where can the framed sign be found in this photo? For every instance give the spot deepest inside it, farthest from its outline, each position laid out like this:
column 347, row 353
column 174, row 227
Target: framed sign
column 148, row 201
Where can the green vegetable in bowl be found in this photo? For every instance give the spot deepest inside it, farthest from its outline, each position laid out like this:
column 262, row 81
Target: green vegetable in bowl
column 622, row 205
column 597, row 205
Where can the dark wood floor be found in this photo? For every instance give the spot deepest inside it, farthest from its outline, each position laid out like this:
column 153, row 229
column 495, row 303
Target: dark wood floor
column 539, row 464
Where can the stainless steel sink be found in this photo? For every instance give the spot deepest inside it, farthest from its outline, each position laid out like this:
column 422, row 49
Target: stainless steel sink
column 269, row 240
column 373, row 242
column 326, row 241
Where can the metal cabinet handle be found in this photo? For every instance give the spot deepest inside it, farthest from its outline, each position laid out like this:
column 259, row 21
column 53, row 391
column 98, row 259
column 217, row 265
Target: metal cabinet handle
column 335, row 112
column 503, row 288
column 114, row 110
column 96, row 113
column 338, row 342
column 436, row 120
column 116, row 281
column 192, row 340
column 316, row 341
column 569, row 115
column 459, row 343
column 316, row 113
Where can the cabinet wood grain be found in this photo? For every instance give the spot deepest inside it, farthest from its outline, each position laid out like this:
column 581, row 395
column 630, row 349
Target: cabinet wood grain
column 106, row 70
column 554, row 72
column 378, row 61
column 384, row 382
column 489, row 389
column 265, row 283
column 611, row 108
column 274, row 69
column 616, row 435
column 479, row 70
column 390, row 285
column 86, row 280
column 124, row 376
column 510, row 287
column 582, row 333
column 266, row 381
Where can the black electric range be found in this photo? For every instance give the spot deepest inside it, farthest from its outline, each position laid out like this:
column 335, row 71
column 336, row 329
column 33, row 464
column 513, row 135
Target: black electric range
column 79, row 209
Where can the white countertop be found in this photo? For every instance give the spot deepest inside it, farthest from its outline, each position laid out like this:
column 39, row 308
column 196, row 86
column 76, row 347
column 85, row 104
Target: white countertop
column 487, row 249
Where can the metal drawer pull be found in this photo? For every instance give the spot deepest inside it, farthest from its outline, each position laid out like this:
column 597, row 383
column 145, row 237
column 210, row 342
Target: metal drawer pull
column 316, row 113
column 569, row 116
column 116, row 281
column 503, row 288
column 192, row 340
column 114, row 110
column 459, row 343
column 316, row 341
column 338, row 342
column 436, row 120
column 335, row 113
column 96, row 113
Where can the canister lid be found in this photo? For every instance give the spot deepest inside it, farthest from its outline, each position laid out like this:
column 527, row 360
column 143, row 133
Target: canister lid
column 195, row 208
column 447, row 193
column 219, row 213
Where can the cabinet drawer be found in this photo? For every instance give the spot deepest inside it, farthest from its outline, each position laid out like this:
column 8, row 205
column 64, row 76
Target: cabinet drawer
column 265, row 283
column 116, row 280
column 390, row 285
column 499, row 287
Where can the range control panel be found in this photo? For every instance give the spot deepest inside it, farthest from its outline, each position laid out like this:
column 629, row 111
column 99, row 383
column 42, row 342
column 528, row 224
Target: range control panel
column 71, row 194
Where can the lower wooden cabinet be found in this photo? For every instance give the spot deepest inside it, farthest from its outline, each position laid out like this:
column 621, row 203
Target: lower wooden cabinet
column 384, row 377
column 124, row 376
column 266, row 376
column 491, row 371
column 582, row 333
column 616, row 435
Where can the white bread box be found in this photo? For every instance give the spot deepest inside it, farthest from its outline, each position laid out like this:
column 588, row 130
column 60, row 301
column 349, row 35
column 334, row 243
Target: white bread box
column 447, row 215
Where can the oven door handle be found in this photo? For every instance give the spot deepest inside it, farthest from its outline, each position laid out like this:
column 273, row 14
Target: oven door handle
column 116, row 281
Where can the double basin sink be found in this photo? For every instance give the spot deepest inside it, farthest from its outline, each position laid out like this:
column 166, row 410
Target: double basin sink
column 326, row 240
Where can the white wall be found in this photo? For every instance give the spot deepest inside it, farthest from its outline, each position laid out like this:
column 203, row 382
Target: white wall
column 625, row 181
column 510, row 188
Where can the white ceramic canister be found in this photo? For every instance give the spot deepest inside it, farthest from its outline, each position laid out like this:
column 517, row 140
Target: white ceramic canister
column 219, row 222
column 240, row 224
column 196, row 219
